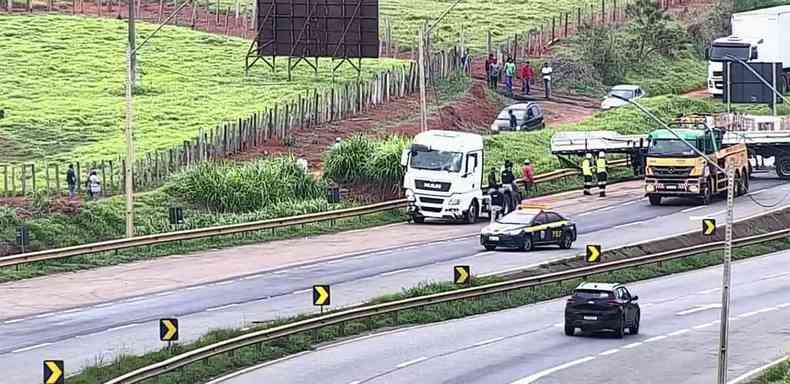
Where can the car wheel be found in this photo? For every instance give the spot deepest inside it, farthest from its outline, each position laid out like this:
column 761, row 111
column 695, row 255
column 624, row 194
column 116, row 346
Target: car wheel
column 566, row 241
column 418, row 219
column 634, row 329
column 654, row 199
column 569, row 330
column 527, row 244
column 471, row 213
column 489, row 247
column 619, row 332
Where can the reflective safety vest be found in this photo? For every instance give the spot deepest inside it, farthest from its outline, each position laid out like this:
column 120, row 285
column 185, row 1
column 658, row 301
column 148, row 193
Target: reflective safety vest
column 600, row 165
column 586, row 169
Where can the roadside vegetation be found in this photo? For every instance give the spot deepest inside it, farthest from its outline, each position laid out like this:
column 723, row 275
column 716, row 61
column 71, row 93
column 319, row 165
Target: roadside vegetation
column 775, row 375
column 224, row 364
column 747, row 5
column 63, row 91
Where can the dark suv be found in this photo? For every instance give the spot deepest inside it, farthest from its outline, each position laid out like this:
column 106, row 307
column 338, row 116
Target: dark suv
column 598, row 306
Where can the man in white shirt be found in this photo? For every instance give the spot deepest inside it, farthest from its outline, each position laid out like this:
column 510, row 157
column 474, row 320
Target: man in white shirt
column 546, row 72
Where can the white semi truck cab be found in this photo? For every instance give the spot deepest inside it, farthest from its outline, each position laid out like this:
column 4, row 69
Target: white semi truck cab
column 444, row 176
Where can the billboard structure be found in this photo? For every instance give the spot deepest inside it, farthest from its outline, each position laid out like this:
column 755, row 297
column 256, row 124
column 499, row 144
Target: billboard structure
column 308, row 29
column 742, row 86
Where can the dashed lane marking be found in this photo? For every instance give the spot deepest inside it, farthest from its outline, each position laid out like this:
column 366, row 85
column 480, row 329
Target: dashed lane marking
column 655, row 338
column 411, row 362
column 633, row 345
column 395, row 272
column 609, row 352
column 30, row 348
column 533, row 378
column 221, row 308
column 680, row 332
column 489, row 341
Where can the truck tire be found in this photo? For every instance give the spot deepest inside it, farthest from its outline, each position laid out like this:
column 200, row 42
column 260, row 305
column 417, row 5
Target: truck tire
column 418, row 219
column 471, row 213
column 783, row 167
column 654, row 199
column 707, row 194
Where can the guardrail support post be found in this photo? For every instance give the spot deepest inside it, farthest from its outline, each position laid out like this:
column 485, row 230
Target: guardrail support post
column 342, row 328
column 316, row 336
column 396, row 318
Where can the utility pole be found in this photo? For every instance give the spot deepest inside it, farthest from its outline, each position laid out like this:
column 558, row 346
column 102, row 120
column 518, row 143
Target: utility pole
column 421, row 69
column 129, row 134
column 724, row 330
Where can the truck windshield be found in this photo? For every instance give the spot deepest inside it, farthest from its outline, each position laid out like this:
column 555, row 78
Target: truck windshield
column 436, row 160
column 670, row 147
column 720, row 52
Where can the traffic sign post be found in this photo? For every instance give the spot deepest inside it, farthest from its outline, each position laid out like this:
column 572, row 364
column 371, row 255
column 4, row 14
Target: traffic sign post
column 168, row 331
column 53, row 372
column 593, row 254
column 22, row 237
column 321, row 296
column 462, row 275
column 708, row 227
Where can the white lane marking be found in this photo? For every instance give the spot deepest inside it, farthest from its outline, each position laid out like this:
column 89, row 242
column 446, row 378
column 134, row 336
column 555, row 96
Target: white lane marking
column 699, row 308
column 485, row 253
column 223, row 283
column 221, row 308
column 628, row 203
column 122, row 327
column 785, row 305
column 395, row 272
column 30, row 348
column 489, row 341
column 757, row 312
column 702, row 326
column 336, row 261
column 70, row 311
column 280, row 272
column 43, row 315
column 585, row 214
column 355, row 382
column 103, row 305
column 606, row 209
column 194, row 288
column 655, row 338
column 692, row 209
column 301, row 291
column 609, row 352
column 629, row 224
column 411, row 362
column 776, row 275
column 709, row 291
column 559, row 325
column 748, row 314
column 253, row 277
column 163, row 293
column 15, row 321
column 532, row 378
column 757, row 192
column 633, row 345
column 680, row 332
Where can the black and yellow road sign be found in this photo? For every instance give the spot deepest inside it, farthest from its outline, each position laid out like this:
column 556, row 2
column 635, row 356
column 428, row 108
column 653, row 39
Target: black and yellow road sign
column 53, row 372
column 462, row 274
column 593, row 253
column 708, row 227
column 168, row 329
column 321, row 295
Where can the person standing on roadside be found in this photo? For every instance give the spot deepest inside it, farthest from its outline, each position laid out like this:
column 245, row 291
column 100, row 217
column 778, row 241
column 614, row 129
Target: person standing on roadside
column 490, row 60
column 587, row 173
column 494, row 75
column 529, row 176
column 510, row 71
column 526, row 77
column 71, row 181
column 602, row 174
column 546, row 72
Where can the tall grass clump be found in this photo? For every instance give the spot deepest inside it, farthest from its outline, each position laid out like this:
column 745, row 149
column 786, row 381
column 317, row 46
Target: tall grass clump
column 383, row 165
column 345, row 162
column 244, row 187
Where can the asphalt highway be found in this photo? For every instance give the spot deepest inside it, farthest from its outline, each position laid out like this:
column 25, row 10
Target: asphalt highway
column 678, row 340
column 99, row 332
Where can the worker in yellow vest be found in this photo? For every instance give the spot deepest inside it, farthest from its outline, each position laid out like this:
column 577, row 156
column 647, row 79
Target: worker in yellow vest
column 600, row 169
column 587, row 173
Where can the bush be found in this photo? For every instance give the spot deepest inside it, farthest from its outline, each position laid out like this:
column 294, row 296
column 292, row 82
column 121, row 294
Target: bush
column 345, row 161
column 244, row 187
column 383, row 165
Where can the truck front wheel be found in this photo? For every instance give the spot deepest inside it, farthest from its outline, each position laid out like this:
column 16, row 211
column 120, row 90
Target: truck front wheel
column 471, row 213
column 783, row 167
column 417, row 219
column 654, row 199
column 707, row 193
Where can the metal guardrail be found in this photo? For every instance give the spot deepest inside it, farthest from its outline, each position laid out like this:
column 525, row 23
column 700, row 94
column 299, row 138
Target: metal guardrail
column 192, row 234
column 257, row 337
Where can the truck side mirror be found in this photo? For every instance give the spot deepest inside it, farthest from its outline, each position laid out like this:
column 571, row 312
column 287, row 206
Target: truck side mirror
column 404, row 157
column 754, row 54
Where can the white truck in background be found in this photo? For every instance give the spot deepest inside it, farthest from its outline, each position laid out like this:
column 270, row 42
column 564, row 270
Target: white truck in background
column 444, row 177
column 762, row 35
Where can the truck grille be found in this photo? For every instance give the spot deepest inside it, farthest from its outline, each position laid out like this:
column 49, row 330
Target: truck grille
column 431, row 209
column 431, row 200
column 718, row 73
column 432, row 185
column 672, row 171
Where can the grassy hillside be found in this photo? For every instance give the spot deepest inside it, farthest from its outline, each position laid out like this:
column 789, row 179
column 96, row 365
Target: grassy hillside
column 63, row 84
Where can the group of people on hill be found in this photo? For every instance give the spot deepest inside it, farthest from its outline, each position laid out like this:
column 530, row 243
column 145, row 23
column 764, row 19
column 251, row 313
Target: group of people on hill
column 92, row 184
column 508, row 71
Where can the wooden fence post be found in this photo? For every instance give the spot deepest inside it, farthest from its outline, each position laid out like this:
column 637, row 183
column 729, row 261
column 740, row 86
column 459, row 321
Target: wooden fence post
column 566, row 24
column 13, row 181
column 5, row 181
column 46, row 176
column 57, row 179
column 22, row 178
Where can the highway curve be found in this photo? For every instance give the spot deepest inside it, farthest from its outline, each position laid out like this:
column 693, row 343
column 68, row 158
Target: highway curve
column 85, row 334
column 678, row 340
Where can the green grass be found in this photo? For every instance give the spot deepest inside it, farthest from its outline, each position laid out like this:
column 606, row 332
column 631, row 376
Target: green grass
column 779, row 374
column 63, row 82
column 223, row 364
column 746, row 5
column 664, row 76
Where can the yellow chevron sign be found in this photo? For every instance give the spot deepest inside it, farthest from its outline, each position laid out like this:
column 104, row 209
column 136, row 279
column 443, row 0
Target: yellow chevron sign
column 53, row 372
column 708, row 227
column 462, row 274
column 593, row 253
column 321, row 295
column 168, row 329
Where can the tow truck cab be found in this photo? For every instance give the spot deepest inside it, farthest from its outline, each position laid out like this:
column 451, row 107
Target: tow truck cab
column 444, row 176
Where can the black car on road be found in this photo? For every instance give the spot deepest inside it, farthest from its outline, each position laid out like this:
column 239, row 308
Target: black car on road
column 600, row 306
column 528, row 226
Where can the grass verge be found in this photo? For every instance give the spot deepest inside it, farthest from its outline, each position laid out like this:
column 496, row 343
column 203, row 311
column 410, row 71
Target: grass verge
column 775, row 375
column 223, row 364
